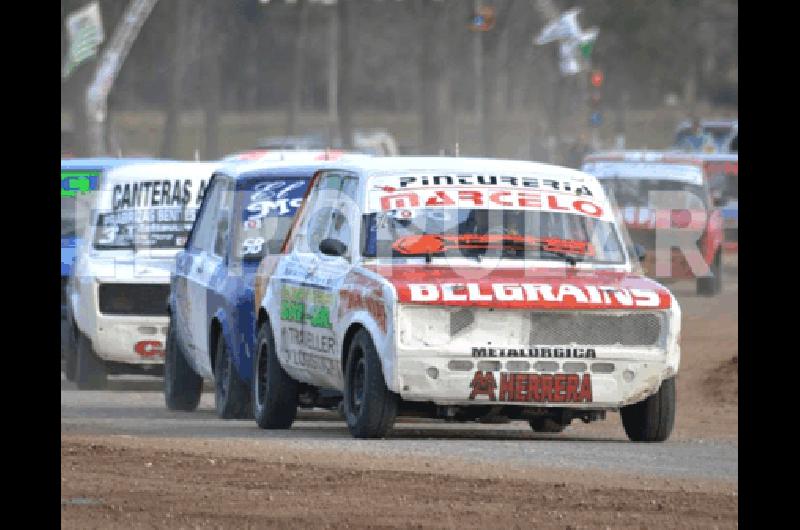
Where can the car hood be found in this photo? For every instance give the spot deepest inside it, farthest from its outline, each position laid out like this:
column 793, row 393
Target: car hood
column 523, row 288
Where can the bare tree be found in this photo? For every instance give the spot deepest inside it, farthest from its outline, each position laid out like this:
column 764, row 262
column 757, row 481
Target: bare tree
column 175, row 76
column 298, row 67
column 212, row 77
column 347, row 13
column 435, row 105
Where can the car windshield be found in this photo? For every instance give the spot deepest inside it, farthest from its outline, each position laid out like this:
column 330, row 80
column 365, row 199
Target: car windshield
column 143, row 228
column 489, row 233
column 268, row 207
column 635, row 192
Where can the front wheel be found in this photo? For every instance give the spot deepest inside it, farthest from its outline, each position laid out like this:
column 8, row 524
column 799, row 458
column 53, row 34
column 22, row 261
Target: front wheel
column 71, row 353
column 370, row 407
column 652, row 419
column 182, row 386
column 274, row 392
column 90, row 372
column 231, row 394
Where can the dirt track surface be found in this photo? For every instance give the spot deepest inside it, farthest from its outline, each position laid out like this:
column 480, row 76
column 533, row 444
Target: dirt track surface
column 128, row 462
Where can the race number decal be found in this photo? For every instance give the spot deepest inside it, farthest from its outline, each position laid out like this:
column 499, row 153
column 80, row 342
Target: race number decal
column 252, row 245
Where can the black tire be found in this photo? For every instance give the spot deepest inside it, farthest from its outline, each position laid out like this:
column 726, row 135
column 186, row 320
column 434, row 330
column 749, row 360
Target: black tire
column 71, row 352
column 546, row 424
column 182, row 386
column 652, row 419
column 274, row 392
column 231, row 394
column 369, row 407
column 712, row 285
column 90, row 371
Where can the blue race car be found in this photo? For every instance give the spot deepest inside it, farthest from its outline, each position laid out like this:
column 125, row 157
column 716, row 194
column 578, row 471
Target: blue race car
column 246, row 213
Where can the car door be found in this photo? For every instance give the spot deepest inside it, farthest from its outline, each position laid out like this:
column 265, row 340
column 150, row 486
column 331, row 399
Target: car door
column 318, row 352
column 200, row 263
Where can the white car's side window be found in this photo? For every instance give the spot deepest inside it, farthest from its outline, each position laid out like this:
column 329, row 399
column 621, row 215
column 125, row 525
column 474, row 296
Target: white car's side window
column 329, row 220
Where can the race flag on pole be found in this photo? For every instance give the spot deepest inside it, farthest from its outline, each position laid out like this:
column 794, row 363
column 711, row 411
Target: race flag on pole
column 85, row 34
column 571, row 38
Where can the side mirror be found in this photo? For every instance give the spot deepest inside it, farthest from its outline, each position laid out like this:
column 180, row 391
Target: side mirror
column 641, row 252
column 332, row 247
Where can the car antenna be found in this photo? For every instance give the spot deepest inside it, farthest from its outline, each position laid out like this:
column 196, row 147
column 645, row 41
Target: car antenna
column 456, row 149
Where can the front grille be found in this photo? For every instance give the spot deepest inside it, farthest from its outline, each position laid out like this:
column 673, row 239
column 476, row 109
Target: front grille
column 133, row 299
column 631, row 329
column 460, row 320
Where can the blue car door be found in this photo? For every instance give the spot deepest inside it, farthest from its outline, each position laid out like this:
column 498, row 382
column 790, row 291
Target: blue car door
column 199, row 266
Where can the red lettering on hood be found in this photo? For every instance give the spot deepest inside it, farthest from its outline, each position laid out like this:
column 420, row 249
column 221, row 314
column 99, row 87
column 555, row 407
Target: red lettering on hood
column 524, row 288
column 149, row 348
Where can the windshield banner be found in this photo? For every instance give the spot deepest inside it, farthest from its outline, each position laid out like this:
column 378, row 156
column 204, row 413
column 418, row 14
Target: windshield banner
column 488, row 192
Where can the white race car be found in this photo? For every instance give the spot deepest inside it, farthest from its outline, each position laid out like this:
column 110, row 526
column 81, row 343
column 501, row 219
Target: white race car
column 463, row 289
column 117, row 294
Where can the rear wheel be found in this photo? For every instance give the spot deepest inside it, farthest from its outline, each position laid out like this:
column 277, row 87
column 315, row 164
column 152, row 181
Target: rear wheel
column 71, row 351
column 90, row 372
column 274, row 391
column 231, row 394
column 182, row 386
column 712, row 285
column 370, row 407
column 651, row 420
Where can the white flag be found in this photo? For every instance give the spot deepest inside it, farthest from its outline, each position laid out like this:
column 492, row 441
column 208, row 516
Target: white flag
column 85, row 34
column 563, row 28
column 567, row 31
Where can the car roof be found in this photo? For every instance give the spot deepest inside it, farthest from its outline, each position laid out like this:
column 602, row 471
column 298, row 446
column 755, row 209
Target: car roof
column 491, row 166
column 100, row 163
column 711, row 123
column 292, row 155
column 643, row 156
column 238, row 170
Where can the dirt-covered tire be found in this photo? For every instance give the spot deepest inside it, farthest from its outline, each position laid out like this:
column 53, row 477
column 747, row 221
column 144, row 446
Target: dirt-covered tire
column 712, row 285
column 182, row 386
column 71, row 352
column 90, row 372
column 370, row 407
column 231, row 394
column 274, row 392
column 546, row 424
column 652, row 419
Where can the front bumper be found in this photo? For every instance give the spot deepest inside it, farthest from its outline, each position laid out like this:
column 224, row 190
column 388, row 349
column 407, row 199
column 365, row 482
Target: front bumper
column 612, row 382
column 130, row 339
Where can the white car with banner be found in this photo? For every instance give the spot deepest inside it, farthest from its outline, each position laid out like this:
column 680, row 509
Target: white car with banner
column 463, row 289
column 117, row 294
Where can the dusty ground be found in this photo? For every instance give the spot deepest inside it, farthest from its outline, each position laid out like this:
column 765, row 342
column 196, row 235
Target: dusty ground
column 127, row 462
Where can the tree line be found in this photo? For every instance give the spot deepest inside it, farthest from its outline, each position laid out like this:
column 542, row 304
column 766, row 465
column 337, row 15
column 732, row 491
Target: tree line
column 410, row 56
